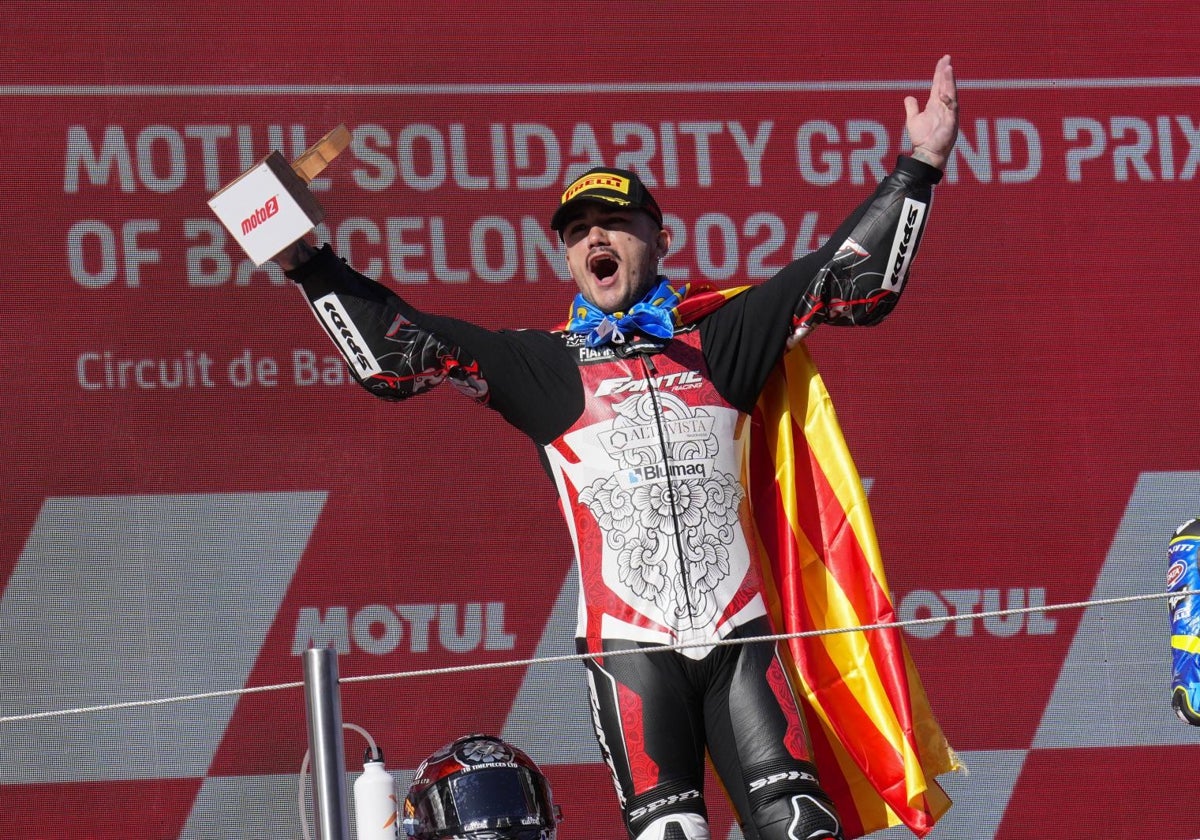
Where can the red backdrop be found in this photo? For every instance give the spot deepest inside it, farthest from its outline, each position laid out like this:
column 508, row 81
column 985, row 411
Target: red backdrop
column 194, row 494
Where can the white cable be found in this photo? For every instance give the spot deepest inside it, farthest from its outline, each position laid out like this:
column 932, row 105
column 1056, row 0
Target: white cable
column 301, row 805
column 548, row 660
column 133, row 704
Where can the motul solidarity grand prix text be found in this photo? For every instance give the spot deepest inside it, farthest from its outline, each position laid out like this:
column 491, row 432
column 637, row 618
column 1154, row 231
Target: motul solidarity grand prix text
column 526, row 164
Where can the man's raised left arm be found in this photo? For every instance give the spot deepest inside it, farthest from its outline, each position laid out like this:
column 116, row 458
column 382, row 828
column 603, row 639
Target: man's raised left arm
column 861, row 280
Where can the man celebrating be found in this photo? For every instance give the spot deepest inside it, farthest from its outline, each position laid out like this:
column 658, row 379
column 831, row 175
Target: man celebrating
column 655, row 407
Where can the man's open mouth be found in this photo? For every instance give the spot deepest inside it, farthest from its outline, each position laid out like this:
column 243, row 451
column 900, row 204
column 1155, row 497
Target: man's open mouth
column 603, row 266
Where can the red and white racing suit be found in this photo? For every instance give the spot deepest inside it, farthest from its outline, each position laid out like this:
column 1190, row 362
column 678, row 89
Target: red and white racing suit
column 646, row 443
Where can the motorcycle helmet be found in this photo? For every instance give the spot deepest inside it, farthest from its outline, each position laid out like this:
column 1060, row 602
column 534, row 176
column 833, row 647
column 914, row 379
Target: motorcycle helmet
column 479, row 787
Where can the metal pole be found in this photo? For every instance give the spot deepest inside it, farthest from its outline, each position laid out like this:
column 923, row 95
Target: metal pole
column 325, row 743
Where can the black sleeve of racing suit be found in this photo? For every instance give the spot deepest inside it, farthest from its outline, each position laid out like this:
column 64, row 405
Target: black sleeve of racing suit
column 854, row 279
column 396, row 351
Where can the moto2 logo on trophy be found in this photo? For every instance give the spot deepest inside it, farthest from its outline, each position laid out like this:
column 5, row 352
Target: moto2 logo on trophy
column 261, row 214
column 382, row 629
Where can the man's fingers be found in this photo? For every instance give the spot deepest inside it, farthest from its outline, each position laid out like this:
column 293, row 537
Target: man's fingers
column 944, row 91
column 943, row 79
column 911, row 108
column 949, row 90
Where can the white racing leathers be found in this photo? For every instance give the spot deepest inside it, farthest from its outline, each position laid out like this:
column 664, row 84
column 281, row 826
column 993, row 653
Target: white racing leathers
column 646, row 445
column 651, row 474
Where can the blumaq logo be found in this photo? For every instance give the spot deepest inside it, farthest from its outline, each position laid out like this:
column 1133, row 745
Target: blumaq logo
column 261, row 214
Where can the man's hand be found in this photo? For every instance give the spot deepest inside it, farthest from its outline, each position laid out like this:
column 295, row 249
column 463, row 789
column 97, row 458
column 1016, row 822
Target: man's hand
column 296, row 254
column 934, row 130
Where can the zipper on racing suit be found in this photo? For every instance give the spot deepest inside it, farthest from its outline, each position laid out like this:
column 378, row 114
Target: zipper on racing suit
column 650, row 370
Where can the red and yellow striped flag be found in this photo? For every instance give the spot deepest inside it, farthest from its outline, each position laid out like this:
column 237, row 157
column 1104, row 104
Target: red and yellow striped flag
column 875, row 740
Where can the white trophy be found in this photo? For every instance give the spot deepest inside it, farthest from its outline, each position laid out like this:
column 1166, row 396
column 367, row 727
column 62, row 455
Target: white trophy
column 269, row 206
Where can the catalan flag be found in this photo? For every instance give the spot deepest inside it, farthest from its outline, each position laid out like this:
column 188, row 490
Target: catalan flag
column 876, row 743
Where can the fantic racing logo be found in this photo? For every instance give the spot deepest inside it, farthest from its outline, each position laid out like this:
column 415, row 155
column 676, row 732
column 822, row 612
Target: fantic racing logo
column 914, row 212
column 261, row 214
column 628, row 385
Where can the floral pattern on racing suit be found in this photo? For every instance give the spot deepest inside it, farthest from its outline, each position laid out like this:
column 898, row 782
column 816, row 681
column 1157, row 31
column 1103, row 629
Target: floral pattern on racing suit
column 640, row 518
column 661, row 525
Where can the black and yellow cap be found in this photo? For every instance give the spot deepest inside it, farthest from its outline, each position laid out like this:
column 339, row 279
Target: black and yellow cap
column 604, row 184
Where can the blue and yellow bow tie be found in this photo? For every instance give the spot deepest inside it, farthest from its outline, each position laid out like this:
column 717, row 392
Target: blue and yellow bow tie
column 653, row 315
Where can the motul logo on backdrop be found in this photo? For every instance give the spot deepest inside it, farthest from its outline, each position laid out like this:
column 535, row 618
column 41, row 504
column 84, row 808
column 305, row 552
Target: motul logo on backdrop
column 945, row 603
column 382, row 629
column 261, row 214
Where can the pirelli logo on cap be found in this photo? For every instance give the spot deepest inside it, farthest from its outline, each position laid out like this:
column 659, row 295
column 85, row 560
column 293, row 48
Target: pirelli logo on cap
column 615, row 183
